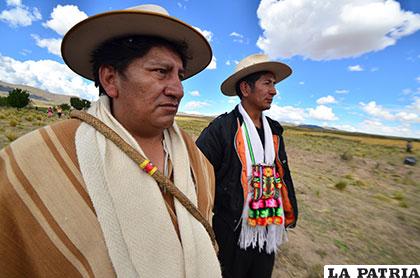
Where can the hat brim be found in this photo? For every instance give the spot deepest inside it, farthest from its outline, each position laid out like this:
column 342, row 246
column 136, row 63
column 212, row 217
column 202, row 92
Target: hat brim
column 81, row 40
column 280, row 71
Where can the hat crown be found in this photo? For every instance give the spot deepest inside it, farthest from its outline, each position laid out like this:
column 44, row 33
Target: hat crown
column 150, row 8
column 251, row 60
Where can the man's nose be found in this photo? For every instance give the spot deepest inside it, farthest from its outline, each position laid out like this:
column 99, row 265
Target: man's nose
column 273, row 91
column 174, row 88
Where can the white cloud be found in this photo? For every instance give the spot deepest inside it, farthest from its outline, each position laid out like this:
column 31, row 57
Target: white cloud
column 330, row 29
column 213, row 64
column 233, row 100
column 355, row 68
column 238, row 37
column 192, row 105
column 415, row 106
column 288, row 114
column 20, row 15
column 207, row 34
column 322, row 113
column 195, row 93
column 181, row 5
column 231, row 62
column 53, row 45
column 25, row 52
column 342, row 91
column 63, row 18
column 374, row 69
column 47, row 75
column 326, row 100
column 13, row 2
column 418, row 79
column 407, row 116
column 410, row 114
column 377, row 127
column 345, row 127
column 376, row 110
column 301, row 83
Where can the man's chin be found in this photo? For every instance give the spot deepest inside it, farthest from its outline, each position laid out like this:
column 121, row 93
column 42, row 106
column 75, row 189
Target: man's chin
column 167, row 121
column 266, row 107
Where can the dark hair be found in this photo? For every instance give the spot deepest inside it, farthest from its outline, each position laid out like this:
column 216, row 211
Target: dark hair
column 120, row 52
column 250, row 80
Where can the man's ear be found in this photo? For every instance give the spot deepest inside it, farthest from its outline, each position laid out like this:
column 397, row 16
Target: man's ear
column 108, row 78
column 245, row 88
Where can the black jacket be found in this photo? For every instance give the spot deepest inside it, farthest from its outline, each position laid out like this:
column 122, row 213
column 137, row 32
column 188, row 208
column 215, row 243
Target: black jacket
column 217, row 142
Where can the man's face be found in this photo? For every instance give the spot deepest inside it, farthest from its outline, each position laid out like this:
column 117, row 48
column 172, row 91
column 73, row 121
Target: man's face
column 261, row 96
column 149, row 91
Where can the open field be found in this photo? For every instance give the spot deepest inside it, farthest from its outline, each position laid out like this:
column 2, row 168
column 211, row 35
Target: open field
column 359, row 204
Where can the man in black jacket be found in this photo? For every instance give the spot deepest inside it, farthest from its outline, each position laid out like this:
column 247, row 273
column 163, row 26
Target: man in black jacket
column 255, row 199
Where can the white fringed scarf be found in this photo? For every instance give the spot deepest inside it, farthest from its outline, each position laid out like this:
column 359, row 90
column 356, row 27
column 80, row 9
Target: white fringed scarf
column 272, row 236
column 138, row 231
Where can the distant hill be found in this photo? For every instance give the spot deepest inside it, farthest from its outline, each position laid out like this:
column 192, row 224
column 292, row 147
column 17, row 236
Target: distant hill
column 38, row 96
column 311, row 127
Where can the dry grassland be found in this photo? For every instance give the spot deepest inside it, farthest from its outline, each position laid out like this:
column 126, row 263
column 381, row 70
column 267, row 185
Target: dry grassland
column 359, row 204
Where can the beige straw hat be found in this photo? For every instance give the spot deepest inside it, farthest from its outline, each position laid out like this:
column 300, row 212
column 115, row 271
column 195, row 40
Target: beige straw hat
column 252, row 64
column 149, row 20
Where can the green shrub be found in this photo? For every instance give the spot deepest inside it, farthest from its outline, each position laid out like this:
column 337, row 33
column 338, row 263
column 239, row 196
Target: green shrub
column 398, row 196
column 346, row 156
column 11, row 136
column 3, row 101
column 18, row 98
column 65, row 106
column 79, row 104
column 403, row 204
column 13, row 122
column 341, row 185
column 29, row 118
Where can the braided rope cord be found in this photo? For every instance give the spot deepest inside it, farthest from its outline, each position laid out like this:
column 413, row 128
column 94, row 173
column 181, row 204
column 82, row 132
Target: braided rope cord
column 163, row 182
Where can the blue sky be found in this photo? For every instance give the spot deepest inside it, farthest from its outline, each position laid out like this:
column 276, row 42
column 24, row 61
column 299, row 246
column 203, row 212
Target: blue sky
column 356, row 63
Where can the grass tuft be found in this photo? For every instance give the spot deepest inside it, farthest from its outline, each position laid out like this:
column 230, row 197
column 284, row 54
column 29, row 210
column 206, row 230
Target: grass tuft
column 11, row 136
column 341, row 185
column 13, row 123
column 346, row 156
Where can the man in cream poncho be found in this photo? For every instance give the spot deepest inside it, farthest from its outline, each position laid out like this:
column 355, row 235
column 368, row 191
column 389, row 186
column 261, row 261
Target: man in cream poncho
column 72, row 203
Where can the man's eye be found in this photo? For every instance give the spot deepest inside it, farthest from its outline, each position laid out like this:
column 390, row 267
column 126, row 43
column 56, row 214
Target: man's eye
column 161, row 71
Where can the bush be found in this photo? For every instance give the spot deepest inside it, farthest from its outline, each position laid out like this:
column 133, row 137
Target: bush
column 11, row 136
column 341, row 185
column 79, row 104
column 3, row 101
column 398, row 196
column 18, row 98
column 65, row 106
column 346, row 156
column 13, row 122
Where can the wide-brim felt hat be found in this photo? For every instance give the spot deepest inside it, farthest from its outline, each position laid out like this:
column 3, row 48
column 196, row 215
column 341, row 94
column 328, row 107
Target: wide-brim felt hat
column 252, row 64
column 146, row 20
